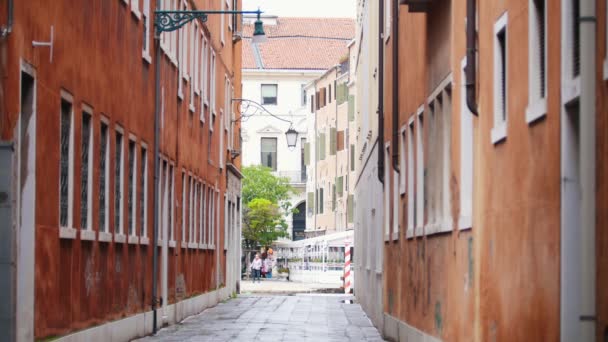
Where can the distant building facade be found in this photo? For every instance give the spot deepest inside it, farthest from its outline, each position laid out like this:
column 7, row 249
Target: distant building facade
column 77, row 160
column 275, row 74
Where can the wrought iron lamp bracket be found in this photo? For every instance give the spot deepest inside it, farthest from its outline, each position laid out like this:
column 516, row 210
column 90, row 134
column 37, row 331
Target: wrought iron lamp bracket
column 167, row 21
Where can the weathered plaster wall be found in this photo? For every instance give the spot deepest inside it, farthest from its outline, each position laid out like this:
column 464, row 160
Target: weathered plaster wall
column 97, row 57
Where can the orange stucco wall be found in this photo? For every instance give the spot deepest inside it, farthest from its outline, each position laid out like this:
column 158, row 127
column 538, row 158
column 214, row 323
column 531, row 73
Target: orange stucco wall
column 97, row 57
column 500, row 280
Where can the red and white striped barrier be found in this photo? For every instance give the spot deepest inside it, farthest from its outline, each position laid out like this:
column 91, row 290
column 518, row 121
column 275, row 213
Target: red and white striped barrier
column 347, row 271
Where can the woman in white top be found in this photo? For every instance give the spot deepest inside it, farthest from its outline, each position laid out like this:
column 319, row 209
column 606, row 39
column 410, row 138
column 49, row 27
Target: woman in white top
column 256, row 266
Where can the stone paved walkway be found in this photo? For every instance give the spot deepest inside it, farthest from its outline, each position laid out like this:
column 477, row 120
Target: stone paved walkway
column 297, row 318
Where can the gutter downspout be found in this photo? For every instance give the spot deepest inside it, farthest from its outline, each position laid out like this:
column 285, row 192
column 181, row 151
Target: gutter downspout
column 381, row 93
column 395, row 143
column 587, row 150
column 471, row 67
column 156, row 173
column 338, row 69
column 314, row 105
column 9, row 21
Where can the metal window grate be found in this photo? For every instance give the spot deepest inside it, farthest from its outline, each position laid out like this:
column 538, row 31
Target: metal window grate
column 117, row 183
column 66, row 130
column 102, row 176
column 130, row 201
column 142, row 191
column 84, row 170
column 576, row 48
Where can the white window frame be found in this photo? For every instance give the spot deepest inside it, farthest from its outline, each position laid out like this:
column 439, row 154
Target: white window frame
column 606, row 44
column 571, row 86
column 387, row 19
column 201, row 228
column 145, row 52
column 465, row 219
column 119, row 229
column 193, row 64
column 173, row 37
column 143, row 240
column 191, row 181
column 204, row 76
column 183, row 237
column 211, row 244
column 226, row 221
column 87, row 232
column 104, row 232
column 410, row 178
column 163, row 186
column 396, row 205
column 212, row 88
column 133, row 235
column 419, row 171
column 228, row 8
column 537, row 102
column 221, row 137
column 222, row 25
column 171, row 176
column 387, row 192
column 68, row 230
column 499, row 131
column 135, row 9
column 402, row 158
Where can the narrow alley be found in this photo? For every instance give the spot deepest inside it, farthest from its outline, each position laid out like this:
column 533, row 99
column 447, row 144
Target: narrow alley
column 258, row 317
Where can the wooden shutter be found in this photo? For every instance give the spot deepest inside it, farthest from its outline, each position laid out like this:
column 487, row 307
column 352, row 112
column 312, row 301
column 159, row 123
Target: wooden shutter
column 307, row 154
column 340, row 141
column 351, row 208
column 351, row 108
column 332, row 141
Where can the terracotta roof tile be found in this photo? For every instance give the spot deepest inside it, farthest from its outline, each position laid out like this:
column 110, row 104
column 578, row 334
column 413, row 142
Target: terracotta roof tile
column 300, row 43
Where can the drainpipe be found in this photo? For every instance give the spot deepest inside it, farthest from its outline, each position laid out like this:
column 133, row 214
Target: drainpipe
column 471, row 67
column 587, row 114
column 381, row 93
column 395, row 143
column 338, row 69
column 316, row 196
column 9, row 21
column 156, row 172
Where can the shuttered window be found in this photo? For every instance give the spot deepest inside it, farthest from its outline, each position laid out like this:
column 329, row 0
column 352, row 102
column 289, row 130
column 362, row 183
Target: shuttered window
column 340, row 141
column 269, row 153
column 340, row 185
column 352, row 157
column 307, row 154
column 351, row 108
column 322, row 147
column 351, row 208
column 332, row 141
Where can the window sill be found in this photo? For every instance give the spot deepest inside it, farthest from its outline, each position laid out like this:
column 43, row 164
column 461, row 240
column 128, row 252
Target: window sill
column 437, row 228
column 419, row 231
column 186, row 77
column 192, row 245
column 145, row 55
column 499, row 133
column 571, row 90
column 67, row 233
column 212, row 246
column 120, row 238
column 104, row 237
column 87, row 235
column 136, row 13
column 144, row 241
column 465, row 222
column 180, row 94
column 536, row 110
column 409, row 233
column 159, row 243
column 192, row 108
column 395, row 236
column 173, row 59
column 172, row 244
column 387, row 237
column 133, row 240
column 606, row 69
column 202, row 246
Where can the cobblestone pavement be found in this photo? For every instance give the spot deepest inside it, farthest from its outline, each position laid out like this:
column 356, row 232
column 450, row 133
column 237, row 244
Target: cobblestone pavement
column 275, row 318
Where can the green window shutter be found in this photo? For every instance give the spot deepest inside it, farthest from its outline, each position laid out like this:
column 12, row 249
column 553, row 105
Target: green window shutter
column 340, row 185
column 322, row 146
column 352, row 157
column 351, row 108
column 311, row 201
column 333, row 198
column 332, row 141
column 307, row 154
column 351, row 208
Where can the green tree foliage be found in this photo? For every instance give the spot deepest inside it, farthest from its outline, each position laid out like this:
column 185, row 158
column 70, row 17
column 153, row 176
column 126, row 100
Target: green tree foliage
column 264, row 223
column 259, row 182
column 265, row 205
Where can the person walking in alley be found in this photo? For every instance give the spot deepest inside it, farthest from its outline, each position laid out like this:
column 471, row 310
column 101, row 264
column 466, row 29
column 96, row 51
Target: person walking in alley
column 268, row 263
column 256, row 266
